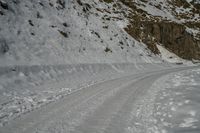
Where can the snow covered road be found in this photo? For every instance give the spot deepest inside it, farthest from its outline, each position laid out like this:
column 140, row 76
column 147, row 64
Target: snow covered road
column 122, row 105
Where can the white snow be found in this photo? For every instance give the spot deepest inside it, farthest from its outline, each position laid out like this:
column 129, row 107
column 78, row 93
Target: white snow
column 42, row 43
column 188, row 122
column 194, row 32
column 25, row 88
column 54, row 53
column 177, row 105
column 170, row 57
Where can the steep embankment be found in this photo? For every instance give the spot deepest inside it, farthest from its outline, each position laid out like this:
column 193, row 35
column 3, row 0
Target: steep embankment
column 66, row 31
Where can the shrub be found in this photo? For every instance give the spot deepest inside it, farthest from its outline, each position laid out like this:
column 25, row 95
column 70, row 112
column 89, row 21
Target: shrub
column 3, row 47
column 108, row 50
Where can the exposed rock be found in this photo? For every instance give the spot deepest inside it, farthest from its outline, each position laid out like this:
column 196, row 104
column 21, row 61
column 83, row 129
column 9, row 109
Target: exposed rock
column 175, row 38
column 172, row 35
column 153, row 30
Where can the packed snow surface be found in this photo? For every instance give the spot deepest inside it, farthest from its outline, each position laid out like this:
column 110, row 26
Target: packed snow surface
column 143, row 98
column 24, row 88
column 177, row 104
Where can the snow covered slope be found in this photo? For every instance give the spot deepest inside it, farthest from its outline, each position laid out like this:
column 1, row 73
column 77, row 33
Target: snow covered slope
column 80, row 31
column 66, row 31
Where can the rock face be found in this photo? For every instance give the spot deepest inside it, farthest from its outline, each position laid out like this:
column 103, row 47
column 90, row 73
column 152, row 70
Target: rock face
column 175, row 38
column 172, row 33
column 139, row 31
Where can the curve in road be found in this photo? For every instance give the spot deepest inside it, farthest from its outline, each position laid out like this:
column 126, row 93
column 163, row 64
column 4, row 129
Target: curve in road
column 113, row 106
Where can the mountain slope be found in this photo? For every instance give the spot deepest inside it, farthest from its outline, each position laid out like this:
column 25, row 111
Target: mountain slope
column 175, row 24
column 99, row 31
column 65, row 31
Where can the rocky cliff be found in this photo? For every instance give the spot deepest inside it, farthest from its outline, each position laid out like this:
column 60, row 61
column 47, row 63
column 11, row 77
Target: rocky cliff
column 175, row 24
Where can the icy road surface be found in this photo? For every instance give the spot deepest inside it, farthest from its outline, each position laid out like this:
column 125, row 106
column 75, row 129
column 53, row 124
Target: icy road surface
column 152, row 102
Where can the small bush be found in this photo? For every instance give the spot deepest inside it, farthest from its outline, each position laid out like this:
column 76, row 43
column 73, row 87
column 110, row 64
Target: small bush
column 39, row 15
column 3, row 47
column 30, row 22
column 61, row 4
column 108, row 50
column 63, row 33
column 79, row 2
column 65, row 24
column 4, row 5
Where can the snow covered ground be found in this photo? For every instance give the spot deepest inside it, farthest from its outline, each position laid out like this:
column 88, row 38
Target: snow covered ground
column 24, row 88
column 169, row 56
column 76, row 60
column 177, row 106
column 143, row 98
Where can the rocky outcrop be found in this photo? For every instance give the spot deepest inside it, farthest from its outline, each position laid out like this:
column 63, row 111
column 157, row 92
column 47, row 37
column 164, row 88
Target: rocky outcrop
column 175, row 38
column 172, row 35
column 136, row 31
column 155, row 30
